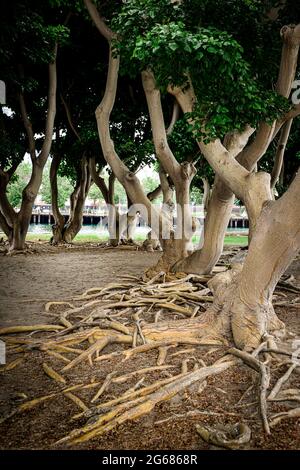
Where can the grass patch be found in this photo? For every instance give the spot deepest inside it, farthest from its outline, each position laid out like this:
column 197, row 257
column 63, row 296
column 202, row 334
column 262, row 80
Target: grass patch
column 237, row 239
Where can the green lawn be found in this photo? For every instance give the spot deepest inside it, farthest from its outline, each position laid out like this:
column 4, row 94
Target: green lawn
column 86, row 238
column 236, row 240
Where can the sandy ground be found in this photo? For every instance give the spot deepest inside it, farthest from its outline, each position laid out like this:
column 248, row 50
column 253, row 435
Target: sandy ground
column 59, row 275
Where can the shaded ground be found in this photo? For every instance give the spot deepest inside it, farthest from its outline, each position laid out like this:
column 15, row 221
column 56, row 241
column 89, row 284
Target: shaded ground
column 64, row 273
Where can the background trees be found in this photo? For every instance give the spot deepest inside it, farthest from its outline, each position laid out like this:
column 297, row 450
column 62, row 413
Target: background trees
column 64, row 188
column 30, row 40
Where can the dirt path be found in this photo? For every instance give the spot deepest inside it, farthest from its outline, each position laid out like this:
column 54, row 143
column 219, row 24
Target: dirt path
column 59, row 275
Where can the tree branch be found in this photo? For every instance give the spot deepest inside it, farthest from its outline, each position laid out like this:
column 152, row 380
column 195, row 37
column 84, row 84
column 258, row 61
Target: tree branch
column 174, row 119
column 11, row 171
column 98, row 21
column 163, row 151
column 152, row 195
column 28, row 127
column 293, row 113
column 69, row 117
column 206, row 193
column 266, row 133
column 235, row 141
column 54, row 189
column 284, row 136
column 252, row 188
column 99, row 181
column 289, row 59
column 253, row 152
column 167, row 188
column 51, row 110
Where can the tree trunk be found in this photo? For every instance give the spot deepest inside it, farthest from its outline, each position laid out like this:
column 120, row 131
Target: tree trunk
column 59, row 220
column 78, row 197
column 218, row 215
column 17, row 224
column 244, row 295
column 108, row 196
column 181, row 175
column 18, row 236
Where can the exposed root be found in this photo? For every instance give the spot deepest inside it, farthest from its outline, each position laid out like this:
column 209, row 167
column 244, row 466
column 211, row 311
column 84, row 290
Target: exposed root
column 262, row 369
column 104, row 386
column 76, row 400
column 109, row 421
column 53, row 374
column 230, row 437
column 21, row 329
column 12, row 365
column 293, row 413
column 281, row 381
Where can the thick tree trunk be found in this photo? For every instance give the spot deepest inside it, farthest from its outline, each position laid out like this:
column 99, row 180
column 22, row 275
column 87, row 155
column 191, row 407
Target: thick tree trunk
column 18, row 235
column 243, row 296
column 16, row 224
column 274, row 245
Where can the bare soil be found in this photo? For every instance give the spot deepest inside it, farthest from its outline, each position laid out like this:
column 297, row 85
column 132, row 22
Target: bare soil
column 27, row 282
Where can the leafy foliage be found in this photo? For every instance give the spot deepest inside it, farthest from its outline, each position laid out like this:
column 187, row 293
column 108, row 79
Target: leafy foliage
column 64, row 188
column 166, row 39
column 18, row 183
